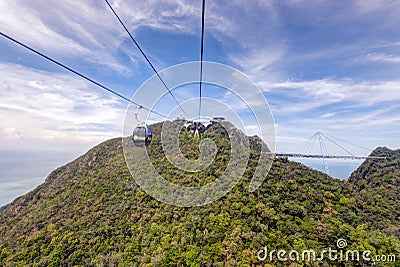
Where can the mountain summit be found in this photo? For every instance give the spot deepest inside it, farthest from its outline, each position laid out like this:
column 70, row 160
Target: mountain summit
column 90, row 212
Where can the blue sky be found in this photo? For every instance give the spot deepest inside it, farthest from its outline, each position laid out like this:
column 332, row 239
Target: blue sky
column 330, row 66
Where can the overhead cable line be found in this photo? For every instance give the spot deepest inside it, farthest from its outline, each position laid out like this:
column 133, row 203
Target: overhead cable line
column 201, row 54
column 80, row 75
column 144, row 55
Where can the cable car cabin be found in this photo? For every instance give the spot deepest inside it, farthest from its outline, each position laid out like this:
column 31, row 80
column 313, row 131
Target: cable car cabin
column 201, row 128
column 142, row 135
column 196, row 127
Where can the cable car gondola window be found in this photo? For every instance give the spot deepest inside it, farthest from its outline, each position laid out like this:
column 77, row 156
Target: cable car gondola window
column 142, row 135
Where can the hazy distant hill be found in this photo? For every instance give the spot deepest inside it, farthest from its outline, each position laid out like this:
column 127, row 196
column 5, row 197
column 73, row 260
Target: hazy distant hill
column 90, row 212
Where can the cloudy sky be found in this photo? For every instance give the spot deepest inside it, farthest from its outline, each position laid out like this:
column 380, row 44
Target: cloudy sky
column 330, row 66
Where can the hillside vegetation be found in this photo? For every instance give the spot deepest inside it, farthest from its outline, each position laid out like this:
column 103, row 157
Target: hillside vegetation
column 90, row 212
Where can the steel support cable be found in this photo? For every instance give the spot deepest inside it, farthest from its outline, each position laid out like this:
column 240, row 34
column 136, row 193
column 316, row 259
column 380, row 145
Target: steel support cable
column 321, row 145
column 307, row 145
column 308, row 149
column 300, row 147
column 80, row 75
column 201, row 54
column 325, row 148
column 344, row 149
column 303, row 145
column 350, row 143
column 310, row 146
column 144, row 55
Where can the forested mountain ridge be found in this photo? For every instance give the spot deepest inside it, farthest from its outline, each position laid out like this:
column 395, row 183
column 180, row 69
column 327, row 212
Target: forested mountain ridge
column 378, row 184
column 90, row 212
column 370, row 173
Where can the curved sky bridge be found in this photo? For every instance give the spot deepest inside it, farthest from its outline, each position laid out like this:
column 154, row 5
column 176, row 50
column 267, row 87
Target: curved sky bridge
column 350, row 157
column 318, row 141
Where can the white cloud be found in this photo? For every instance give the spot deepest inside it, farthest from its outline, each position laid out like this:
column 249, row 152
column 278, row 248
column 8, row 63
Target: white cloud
column 307, row 95
column 380, row 57
column 12, row 133
column 369, row 6
column 68, row 29
column 258, row 63
column 234, row 102
column 364, row 113
column 59, row 107
column 252, row 32
column 89, row 30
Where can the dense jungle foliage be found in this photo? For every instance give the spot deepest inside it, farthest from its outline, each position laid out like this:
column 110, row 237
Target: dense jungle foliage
column 90, row 212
